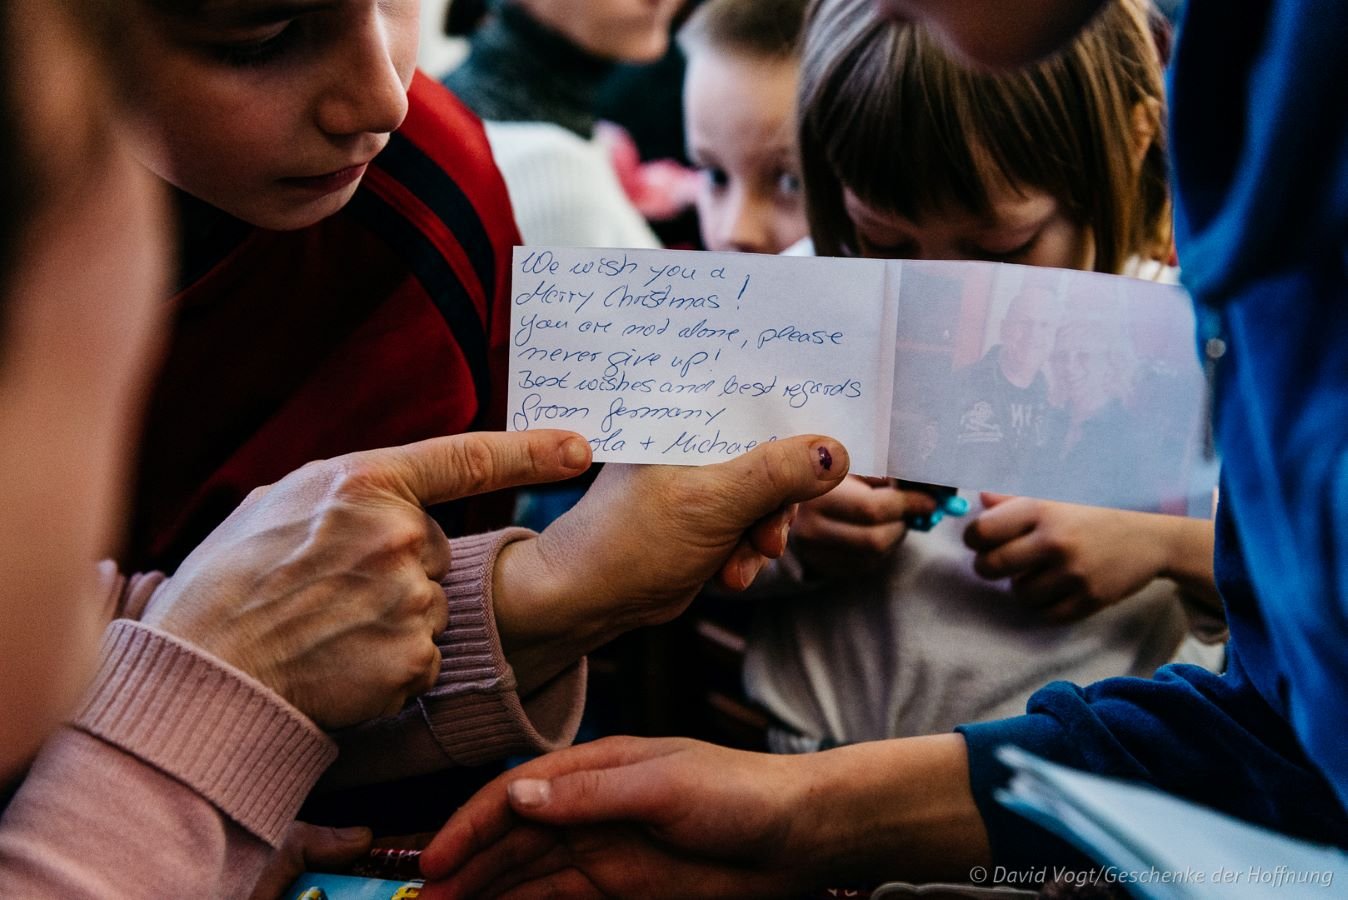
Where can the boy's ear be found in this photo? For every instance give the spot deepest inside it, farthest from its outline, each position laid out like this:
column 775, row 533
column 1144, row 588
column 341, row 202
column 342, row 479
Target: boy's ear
column 1146, row 125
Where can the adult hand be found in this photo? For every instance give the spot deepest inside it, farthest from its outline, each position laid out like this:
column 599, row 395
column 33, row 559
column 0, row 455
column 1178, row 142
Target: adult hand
column 325, row 585
column 631, row 817
column 1067, row 561
column 310, row 848
column 644, row 540
column 627, row 817
column 855, row 527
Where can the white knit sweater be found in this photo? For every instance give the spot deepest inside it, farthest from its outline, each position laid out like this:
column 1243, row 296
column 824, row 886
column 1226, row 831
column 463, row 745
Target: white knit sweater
column 563, row 188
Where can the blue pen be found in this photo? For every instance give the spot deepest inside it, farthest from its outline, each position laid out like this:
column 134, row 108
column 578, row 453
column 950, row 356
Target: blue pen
column 948, row 503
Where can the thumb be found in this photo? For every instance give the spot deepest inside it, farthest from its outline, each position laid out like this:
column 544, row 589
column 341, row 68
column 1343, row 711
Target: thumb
column 990, row 499
column 334, row 847
column 588, row 796
column 447, row 468
column 779, row 473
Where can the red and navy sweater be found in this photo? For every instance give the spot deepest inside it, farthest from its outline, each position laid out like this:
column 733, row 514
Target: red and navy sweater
column 383, row 324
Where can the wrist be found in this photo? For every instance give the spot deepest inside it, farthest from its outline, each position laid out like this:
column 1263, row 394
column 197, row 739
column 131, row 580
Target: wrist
column 541, row 614
column 896, row 809
column 1178, row 539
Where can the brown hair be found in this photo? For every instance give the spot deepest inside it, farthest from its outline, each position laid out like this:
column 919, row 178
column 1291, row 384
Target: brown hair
column 886, row 112
column 762, row 29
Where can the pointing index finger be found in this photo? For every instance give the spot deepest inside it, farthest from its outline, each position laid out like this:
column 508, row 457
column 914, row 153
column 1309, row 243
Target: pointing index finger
column 447, row 468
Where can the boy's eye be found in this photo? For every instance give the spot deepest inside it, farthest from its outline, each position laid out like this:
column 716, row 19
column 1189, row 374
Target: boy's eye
column 716, row 177
column 789, row 184
column 243, row 54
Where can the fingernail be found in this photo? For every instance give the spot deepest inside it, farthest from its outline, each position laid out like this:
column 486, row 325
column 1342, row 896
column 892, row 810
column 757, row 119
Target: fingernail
column 356, row 834
column 956, row 505
column 575, row 453
column 786, row 532
column 749, row 570
column 530, row 793
column 825, row 460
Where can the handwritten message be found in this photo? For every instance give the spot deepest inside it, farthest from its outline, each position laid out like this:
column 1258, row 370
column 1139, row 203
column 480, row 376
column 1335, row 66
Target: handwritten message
column 1064, row 385
column 689, row 358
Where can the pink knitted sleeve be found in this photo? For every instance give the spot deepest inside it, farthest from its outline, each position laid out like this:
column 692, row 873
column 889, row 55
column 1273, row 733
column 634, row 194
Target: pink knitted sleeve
column 177, row 777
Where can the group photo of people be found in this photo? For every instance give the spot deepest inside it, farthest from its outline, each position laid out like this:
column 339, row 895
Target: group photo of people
column 289, row 612
column 1055, row 385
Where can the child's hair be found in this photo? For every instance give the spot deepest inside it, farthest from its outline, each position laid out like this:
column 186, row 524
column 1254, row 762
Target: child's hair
column 463, row 17
column 887, row 113
column 759, row 29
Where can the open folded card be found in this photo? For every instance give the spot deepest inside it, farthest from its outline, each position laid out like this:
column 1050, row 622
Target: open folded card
column 1021, row 380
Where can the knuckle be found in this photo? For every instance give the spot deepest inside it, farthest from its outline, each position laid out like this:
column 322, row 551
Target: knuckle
column 432, row 602
column 474, row 464
column 587, row 784
column 255, row 496
column 401, row 536
column 773, row 472
column 973, row 534
column 688, row 489
column 867, row 511
column 431, row 667
column 348, row 475
column 876, row 542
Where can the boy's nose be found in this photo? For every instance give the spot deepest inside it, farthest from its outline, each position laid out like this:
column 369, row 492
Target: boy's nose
column 745, row 227
column 365, row 94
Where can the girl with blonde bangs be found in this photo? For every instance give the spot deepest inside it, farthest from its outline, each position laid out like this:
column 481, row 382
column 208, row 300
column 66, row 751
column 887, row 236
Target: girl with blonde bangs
column 907, row 153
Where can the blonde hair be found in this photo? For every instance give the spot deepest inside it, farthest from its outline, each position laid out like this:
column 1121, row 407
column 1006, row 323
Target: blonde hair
column 887, row 113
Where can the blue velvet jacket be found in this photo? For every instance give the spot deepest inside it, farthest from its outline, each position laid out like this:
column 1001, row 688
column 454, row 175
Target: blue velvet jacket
column 1259, row 129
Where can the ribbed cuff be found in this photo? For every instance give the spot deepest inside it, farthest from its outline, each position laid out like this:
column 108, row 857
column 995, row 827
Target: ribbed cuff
column 1016, row 843
column 212, row 727
column 475, row 711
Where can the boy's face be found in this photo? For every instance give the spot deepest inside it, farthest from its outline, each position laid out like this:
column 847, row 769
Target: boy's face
column 271, row 109
column 740, row 120
column 1027, row 333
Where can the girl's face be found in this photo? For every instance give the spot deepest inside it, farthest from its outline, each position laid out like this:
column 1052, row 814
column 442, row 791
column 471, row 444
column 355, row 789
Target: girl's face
column 271, row 109
column 1082, row 365
column 739, row 117
column 633, row 31
column 82, row 324
column 1029, row 228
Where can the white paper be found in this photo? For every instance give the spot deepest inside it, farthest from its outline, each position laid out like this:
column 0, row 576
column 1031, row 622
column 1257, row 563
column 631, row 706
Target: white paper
column 689, row 358
column 1058, row 384
column 1160, row 847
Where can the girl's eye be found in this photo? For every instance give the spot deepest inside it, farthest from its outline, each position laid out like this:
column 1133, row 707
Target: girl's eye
column 246, row 54
column 887, row 250
column 1011, row 255
column 716, row 177
column 788, row 184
